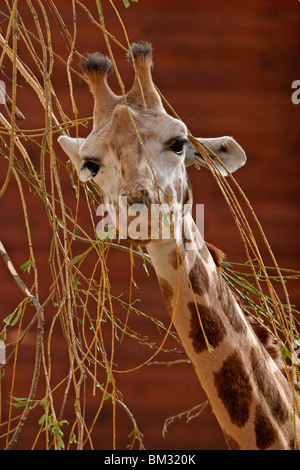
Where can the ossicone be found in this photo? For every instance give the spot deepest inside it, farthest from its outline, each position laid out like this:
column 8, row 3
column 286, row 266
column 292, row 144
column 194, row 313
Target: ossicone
column 96, row 64
column 96, row 67
column 141, row 52
column 143, row 92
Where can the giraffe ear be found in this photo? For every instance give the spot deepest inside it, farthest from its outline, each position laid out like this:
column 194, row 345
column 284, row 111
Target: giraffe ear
column 71, row 147
column 230, row 154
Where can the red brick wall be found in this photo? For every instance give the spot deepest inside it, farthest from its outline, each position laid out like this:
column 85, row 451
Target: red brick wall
column 227, row 69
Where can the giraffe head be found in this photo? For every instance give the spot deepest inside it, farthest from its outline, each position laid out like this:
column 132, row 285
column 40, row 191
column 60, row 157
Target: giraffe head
column 137, row 153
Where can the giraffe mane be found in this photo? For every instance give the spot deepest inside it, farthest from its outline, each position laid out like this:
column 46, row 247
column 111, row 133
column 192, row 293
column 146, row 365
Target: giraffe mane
column 262, row 333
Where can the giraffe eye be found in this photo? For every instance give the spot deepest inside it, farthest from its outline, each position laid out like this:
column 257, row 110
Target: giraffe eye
column 93, row 167
column 178, row 146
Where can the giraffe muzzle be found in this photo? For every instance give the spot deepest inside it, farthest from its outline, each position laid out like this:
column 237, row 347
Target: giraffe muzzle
column 140, row 197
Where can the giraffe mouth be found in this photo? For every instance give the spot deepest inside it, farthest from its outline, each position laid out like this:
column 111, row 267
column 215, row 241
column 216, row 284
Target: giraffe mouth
column 135, row 227
column 137, row 223
column 139, row 242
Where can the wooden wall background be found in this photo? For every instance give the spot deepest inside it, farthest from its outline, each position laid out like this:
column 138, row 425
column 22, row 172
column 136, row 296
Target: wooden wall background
column 227, row 69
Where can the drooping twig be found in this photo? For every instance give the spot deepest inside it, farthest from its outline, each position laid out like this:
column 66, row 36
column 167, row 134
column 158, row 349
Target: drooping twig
column 39, row 343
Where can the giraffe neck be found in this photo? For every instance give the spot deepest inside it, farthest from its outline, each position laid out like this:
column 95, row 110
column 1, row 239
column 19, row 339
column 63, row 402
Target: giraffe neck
column 249, row 395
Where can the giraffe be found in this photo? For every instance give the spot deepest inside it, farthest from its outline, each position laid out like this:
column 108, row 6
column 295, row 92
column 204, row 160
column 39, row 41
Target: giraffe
column 138, row 151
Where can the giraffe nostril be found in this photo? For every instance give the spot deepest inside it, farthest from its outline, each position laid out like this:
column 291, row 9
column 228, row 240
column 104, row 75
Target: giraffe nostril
column 139, row 197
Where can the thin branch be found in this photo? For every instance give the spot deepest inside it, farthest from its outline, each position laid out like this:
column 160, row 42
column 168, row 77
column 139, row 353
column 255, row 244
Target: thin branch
column 39, row 343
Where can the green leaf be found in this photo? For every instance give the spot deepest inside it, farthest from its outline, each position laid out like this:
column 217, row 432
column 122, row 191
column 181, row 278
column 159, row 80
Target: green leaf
column 76, row 283
column 19, row 402
column 73, row 439
column 42, row 419
column 80, row 257
column 100, row 9
column 57, row 431
column 3, row 336
column 107, row 396
column 60, row 222
column 64, row 421
column 285, row 353
column 166, row 221
column 108, row 233
column 8, row 319
column 127, row 3
column 43, row 403
column 144, row 260
column 17, row 316
column 19, row 405
column 26, row 267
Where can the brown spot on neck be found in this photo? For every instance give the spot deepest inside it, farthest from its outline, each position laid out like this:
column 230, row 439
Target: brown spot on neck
column 212, row 325
column 199, row 277
column 167, row 292
column 266, row 339
column 267, row 385
column 229, row 306
column 264, row 430
column 234, row 389
column 232, row 443
column 175, row 259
